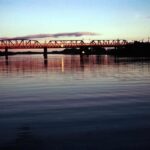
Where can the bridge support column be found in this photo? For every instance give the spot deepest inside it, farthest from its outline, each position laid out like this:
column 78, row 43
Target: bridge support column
column 116, row 48
column 45, row 63
column 45, row 53
column 6, row 53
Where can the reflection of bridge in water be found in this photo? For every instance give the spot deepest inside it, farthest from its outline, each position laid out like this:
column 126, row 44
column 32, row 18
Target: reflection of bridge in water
column 33, row 44
column 58, row 64
column 103, row 65
column 24, row 64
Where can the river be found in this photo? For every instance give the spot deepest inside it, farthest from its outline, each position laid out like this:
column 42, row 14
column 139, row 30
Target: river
column 74, row 103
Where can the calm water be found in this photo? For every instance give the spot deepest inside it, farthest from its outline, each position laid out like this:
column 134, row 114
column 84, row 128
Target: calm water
column 74, row 103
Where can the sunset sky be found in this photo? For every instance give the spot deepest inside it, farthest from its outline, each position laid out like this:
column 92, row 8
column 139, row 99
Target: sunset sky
column 111, row 19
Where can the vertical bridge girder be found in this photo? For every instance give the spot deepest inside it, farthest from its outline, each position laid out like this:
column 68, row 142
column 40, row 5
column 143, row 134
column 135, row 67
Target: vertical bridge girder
column 45, row 53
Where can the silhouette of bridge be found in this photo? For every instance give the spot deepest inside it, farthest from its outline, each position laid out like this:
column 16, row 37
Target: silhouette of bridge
column 34, row 44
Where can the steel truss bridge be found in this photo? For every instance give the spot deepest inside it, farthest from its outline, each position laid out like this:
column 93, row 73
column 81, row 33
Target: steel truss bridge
column 33, row 44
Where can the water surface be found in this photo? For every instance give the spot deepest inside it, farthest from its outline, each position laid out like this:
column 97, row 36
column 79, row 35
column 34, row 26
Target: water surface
column 74, row 103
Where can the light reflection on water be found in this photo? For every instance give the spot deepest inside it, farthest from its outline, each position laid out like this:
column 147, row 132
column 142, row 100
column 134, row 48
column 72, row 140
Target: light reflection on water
column 74, row 102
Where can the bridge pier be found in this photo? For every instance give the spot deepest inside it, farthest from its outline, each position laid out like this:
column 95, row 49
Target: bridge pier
column 45, row 53
column 6, row 53
column 45, row 63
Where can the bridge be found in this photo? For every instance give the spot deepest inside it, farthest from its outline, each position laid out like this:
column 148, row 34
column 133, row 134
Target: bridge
column 34, row 44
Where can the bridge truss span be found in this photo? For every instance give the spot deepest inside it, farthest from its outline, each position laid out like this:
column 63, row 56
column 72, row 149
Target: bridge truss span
column 65, row 43
column 34, row 44
column 19, row 44
column 109, row 43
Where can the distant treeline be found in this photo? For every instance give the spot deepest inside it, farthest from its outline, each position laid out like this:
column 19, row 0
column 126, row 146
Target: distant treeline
column 132, row 49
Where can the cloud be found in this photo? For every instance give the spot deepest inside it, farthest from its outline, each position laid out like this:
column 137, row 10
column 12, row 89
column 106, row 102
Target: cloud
column 148, row 17
column 57, row 35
